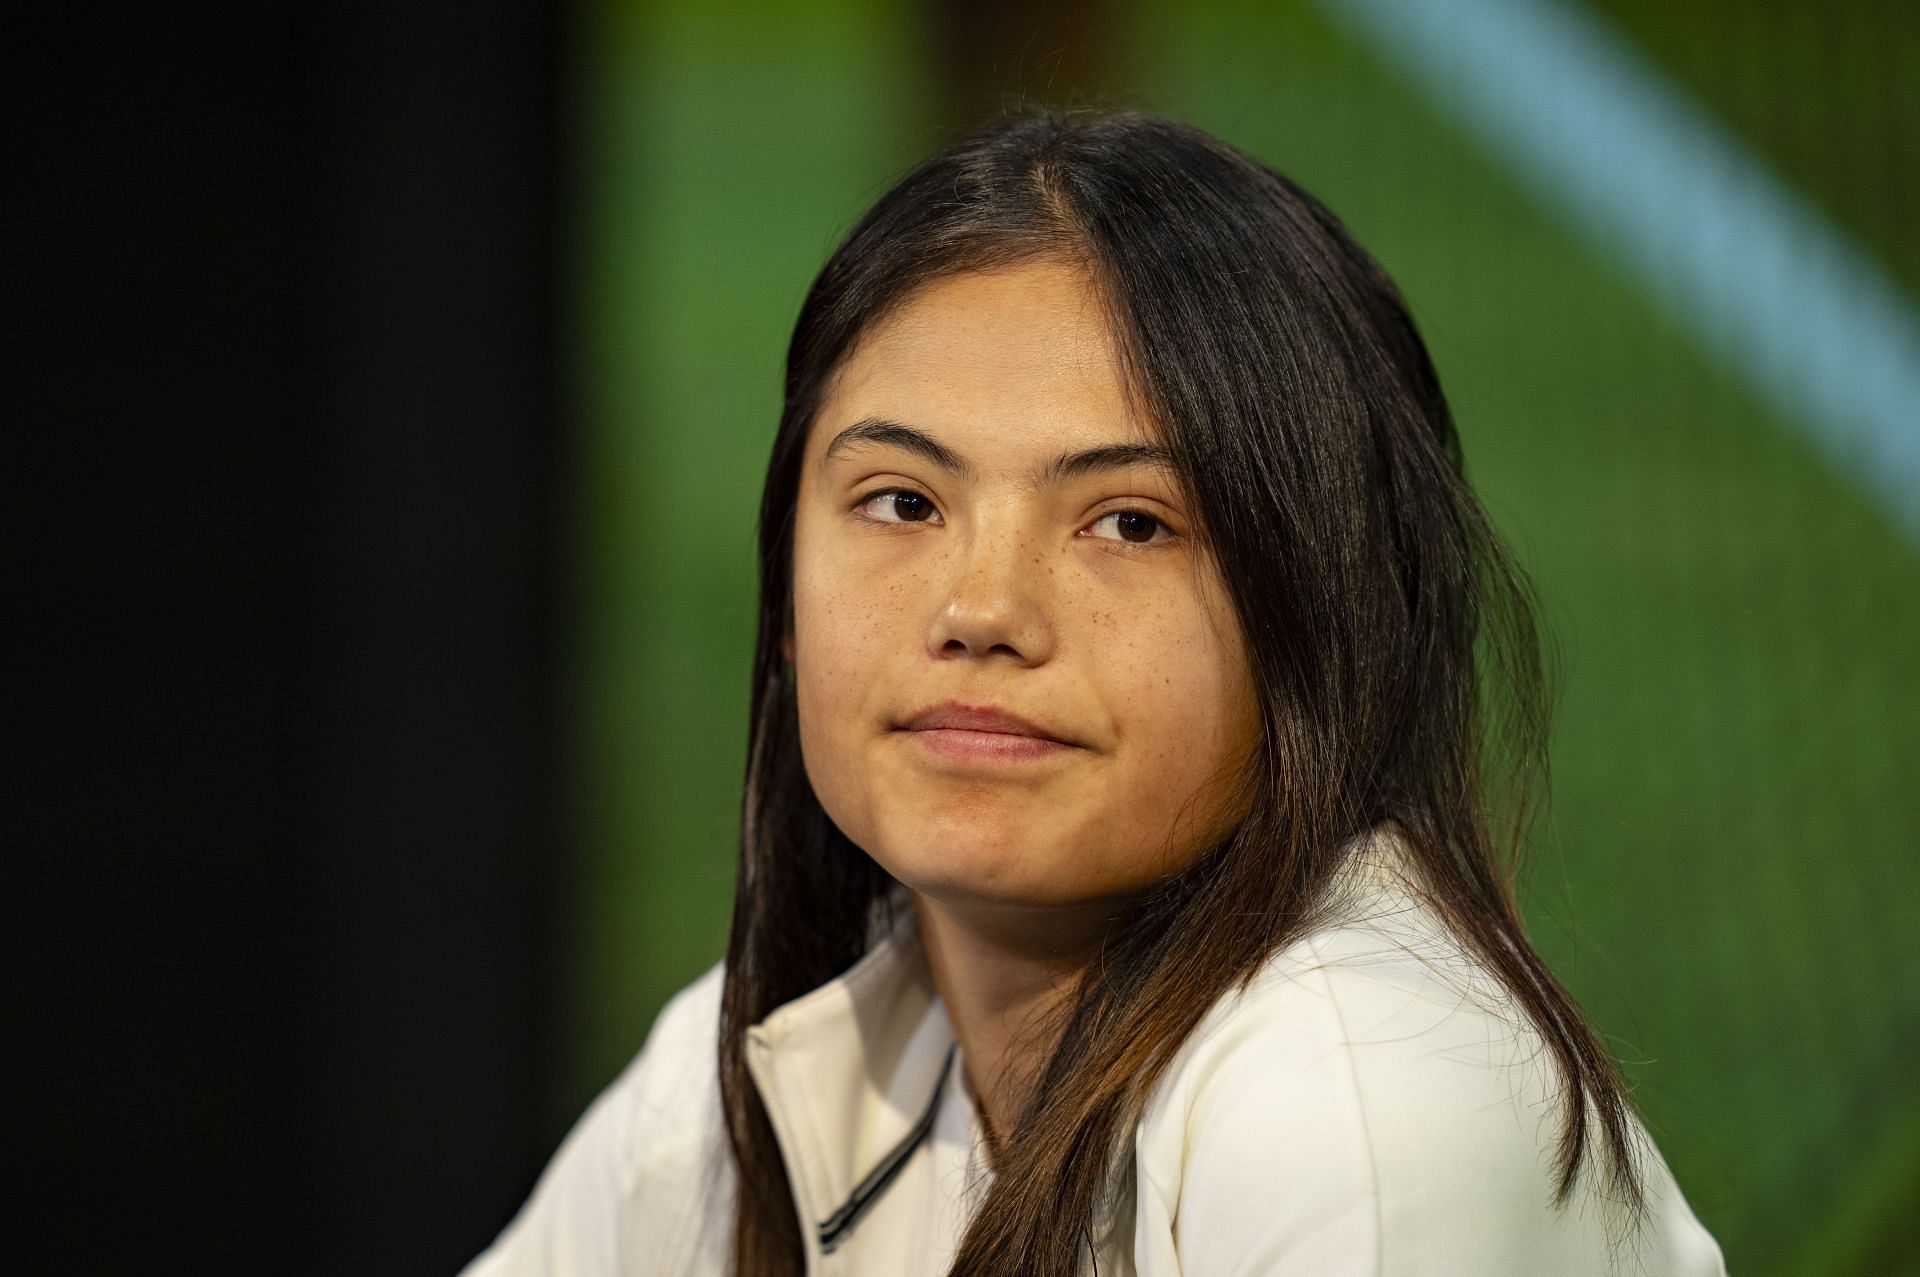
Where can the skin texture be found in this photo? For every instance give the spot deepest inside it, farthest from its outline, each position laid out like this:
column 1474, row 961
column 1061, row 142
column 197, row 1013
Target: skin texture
column 1058, row 602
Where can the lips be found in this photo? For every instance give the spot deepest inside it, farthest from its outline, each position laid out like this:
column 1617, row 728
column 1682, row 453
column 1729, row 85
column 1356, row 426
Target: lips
column 954, row 716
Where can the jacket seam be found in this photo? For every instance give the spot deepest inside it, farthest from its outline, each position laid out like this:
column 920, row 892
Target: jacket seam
column 686, row 1143
column 677, row 1244
column 781, row 1111
column 1360, row 1108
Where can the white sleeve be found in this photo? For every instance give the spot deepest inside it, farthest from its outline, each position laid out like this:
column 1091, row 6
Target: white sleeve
column 627, row 1166
column 1372, row 1119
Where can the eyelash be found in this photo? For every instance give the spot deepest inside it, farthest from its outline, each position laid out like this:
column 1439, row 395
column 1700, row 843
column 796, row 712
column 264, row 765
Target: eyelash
column 877, row 493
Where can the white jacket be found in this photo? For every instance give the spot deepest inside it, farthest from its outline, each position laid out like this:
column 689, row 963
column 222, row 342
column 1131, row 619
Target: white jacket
column 1372, row 1104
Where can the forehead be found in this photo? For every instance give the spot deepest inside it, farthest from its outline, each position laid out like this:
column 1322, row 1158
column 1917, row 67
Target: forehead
column 1022, row 358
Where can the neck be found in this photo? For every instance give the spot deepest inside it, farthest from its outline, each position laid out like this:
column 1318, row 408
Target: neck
column 1003, row 972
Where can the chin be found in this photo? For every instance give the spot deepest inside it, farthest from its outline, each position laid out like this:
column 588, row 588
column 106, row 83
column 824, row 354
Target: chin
column 960, row 866
column 976, row 875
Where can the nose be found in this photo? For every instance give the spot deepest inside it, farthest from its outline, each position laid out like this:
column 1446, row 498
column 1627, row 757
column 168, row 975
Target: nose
column 992, row 596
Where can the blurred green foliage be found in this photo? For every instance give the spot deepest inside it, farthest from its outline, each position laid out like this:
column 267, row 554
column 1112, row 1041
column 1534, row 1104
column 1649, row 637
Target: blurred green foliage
column 1733, row 854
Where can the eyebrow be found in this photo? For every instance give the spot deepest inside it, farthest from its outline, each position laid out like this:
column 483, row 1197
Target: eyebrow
column 879, row 432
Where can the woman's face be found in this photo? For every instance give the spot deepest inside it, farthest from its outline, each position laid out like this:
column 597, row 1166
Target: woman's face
column 946, row 553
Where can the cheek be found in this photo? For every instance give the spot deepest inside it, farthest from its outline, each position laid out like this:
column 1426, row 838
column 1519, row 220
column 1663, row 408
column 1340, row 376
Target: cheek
column 844, row 619
column 826, row 651
column 846, row 622
column 1187, row 711
column 1178, row 677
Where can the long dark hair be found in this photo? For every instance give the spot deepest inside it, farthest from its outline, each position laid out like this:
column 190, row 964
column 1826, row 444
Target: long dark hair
column 1391, row 634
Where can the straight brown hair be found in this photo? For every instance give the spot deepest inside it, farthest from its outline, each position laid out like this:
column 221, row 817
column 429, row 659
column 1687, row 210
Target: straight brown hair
column 1392, row 637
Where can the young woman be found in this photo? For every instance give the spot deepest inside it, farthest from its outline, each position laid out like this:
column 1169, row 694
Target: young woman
column 1120, row 885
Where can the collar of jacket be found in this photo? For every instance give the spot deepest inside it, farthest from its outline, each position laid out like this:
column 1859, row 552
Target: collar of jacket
column 850, row 1075
column 852, row 1072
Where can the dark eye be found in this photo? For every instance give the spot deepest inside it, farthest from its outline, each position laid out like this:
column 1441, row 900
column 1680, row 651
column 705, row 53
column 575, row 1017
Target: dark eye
column 1135, row 527
column 904, row 504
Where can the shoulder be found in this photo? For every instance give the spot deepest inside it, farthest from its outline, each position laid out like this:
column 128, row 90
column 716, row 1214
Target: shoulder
column 657, row 1112
column 643, row 1161
column 1375, row 1099
column 671, row 1088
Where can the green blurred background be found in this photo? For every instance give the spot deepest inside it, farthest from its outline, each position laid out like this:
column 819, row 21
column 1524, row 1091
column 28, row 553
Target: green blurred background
column 1733, row 851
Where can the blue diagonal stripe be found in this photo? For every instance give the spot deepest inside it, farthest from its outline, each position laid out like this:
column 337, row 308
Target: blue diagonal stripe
column 1759, row 276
